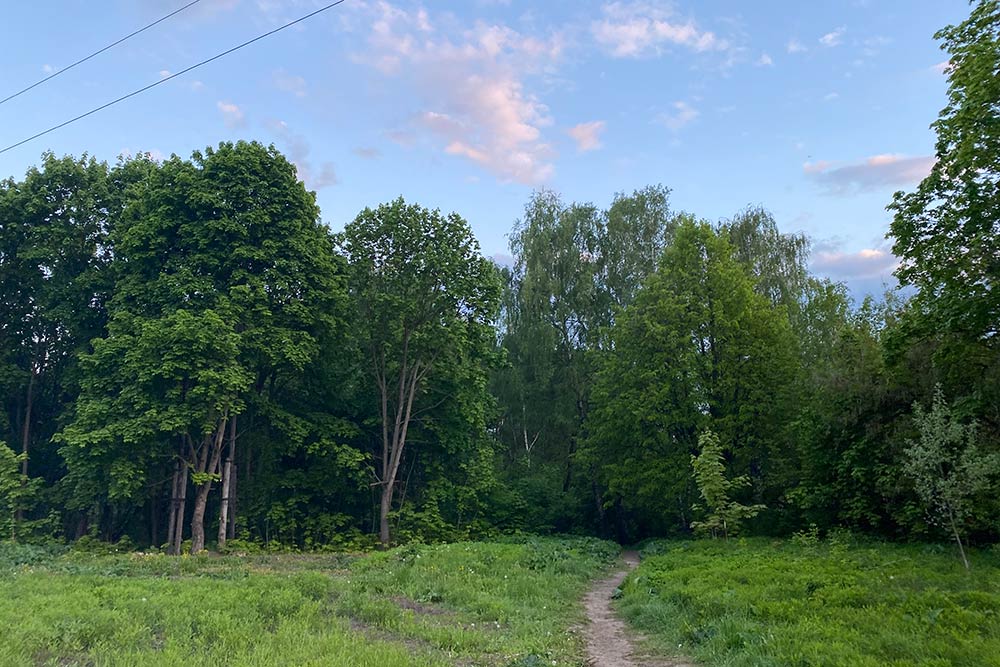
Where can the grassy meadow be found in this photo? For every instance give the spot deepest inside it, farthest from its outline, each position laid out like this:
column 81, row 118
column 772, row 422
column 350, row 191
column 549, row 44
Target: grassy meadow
column 806, row 603
column 502, row 603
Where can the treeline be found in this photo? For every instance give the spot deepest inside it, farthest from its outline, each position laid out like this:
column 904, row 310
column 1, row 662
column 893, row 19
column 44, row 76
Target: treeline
column 188, row 353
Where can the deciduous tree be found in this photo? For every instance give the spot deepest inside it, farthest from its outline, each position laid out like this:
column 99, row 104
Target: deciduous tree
column 425, row 301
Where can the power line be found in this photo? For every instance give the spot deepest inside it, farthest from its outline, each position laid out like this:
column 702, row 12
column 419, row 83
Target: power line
column 99, row 52
column 172, row 76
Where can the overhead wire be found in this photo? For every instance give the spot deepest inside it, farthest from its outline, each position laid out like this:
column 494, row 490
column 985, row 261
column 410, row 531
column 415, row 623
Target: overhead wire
column 174, row 75
column 99, row 51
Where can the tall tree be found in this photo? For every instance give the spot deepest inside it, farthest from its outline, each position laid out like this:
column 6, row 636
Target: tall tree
column 426, row 300
column 947, row 232
column 697, row 347
column 53, row 251
column 777, row 262
column 224, row 271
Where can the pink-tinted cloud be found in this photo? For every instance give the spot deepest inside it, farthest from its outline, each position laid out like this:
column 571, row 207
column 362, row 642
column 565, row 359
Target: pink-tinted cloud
column 232, row 114
column 864, row 263
column 637, row 29
column 470, row 83
column 878, row 171
column 587, row 135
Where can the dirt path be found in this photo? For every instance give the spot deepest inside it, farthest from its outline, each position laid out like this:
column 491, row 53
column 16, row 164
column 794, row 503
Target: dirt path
column 608, row 641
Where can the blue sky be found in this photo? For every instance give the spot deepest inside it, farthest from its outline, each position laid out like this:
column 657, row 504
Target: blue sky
column 816, row 110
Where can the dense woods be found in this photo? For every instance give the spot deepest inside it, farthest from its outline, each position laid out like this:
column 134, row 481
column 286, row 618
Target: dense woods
column 190, row 357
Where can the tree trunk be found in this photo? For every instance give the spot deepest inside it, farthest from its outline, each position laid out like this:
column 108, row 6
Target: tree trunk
column 178, row 536
column 383, row 516
column 154, row 516
column 958, row 539
column 172, row 510
column 208, row 463
column 227, row 473
column 233, row 497
column 198, row 518
column 26, row 438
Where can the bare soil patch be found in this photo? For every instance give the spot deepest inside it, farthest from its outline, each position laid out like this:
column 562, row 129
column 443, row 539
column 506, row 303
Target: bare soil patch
column 609, row 642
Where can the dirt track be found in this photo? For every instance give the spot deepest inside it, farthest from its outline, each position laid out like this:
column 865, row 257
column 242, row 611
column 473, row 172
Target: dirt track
column 608, row 641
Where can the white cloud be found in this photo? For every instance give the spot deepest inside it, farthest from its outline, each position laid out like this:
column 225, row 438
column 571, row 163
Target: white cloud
column 682, row 114
column 795, row 46
column 833, row 38
column 587, row 135
column 942, row 67
column 154, row 154
column 298, row 149
column 829, row 97
column 503, row 259
column 289, row 83
column 878, row 171
column 164, row 73
column 852, row 266
column 231, row 114
column 471, row 88
column 48, row 69
column 764, row 60
column 636, row 29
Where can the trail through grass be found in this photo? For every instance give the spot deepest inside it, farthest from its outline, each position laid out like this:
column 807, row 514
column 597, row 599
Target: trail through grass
column 760, row 603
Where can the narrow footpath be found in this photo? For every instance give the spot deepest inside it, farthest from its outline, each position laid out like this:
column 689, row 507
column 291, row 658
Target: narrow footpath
column 609, row 643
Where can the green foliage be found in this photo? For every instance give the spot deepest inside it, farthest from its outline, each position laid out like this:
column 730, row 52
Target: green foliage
column 948, row 466
column 697, row 348
column 724, row 515
column 756, row 602
column 947, row 231
column 190, row 328
column 425, row 300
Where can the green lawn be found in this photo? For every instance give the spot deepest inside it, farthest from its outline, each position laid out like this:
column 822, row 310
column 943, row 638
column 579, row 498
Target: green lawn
column 468, row 603
column 764, row 603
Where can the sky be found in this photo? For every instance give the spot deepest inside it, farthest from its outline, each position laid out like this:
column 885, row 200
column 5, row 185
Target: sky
column 817, row 111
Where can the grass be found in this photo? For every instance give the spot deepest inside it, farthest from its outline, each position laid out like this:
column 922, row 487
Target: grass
column 500, row 603
column 762, row 603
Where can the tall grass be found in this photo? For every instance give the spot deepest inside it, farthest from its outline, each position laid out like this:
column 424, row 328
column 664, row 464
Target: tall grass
column 761, row 603
column 499, row 604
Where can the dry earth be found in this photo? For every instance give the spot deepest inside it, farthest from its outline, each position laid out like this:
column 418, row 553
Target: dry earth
column 609, row 643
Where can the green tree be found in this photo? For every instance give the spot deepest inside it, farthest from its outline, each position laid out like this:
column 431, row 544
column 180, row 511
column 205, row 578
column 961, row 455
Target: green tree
column 947, row 232
column 575, row 264
column 948, row 466
column 697, row 347
column 53, row 254
column 12, row 488
column 777, row 262
column 225, row 280
column 724, row 515
column 425, row 302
